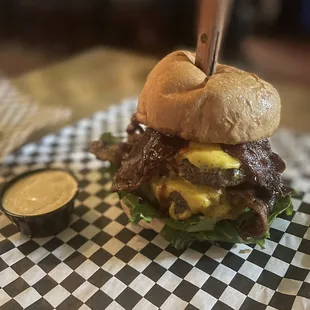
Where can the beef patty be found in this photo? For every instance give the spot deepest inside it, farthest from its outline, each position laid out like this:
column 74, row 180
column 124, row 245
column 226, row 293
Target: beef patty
column 215, row 178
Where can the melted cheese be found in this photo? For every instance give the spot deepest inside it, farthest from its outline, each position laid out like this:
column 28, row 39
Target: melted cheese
column 200, row 199
column 208, row 155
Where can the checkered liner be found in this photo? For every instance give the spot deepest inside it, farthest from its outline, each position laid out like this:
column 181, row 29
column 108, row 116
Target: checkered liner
column 103, row 262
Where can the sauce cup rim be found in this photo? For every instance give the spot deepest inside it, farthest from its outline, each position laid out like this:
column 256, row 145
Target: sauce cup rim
column 6, row 185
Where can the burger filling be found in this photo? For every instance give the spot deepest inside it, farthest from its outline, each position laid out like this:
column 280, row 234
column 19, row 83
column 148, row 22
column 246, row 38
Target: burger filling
column 214, row 192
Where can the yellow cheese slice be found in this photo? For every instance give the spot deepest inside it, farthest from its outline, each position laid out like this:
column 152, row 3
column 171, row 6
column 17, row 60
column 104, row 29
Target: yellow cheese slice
column 200, row 199
column 208, row 155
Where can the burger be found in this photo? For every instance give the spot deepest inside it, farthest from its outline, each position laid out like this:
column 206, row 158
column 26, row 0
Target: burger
column 197, row 164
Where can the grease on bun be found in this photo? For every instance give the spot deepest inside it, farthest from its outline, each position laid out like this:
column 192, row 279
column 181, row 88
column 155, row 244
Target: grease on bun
column 232, row 106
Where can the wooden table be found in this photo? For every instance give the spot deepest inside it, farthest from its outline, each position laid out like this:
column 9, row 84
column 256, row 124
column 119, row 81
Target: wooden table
column 98, row 78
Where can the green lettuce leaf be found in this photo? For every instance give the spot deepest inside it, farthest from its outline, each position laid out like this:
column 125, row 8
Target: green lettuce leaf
column 139, row 209
column 182, row 234
column 283, row 204
column 224, row 231
column 112, row 169
column 109, row 139
column 194, row 224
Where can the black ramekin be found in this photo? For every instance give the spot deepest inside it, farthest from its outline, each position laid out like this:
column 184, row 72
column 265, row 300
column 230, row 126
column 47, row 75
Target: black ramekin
column 41, row 225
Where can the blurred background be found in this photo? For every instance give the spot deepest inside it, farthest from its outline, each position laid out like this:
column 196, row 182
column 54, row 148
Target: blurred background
column 35, row 33
column 269, row 37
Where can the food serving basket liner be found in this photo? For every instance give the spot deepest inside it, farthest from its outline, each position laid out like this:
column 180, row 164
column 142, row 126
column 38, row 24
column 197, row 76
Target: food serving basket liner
column 103, row 262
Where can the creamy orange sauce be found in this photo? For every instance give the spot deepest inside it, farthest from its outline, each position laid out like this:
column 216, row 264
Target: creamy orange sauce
column 40, row 193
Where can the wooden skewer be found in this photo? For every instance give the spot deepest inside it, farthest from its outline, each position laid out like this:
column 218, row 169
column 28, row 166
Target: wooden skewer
column 210, row 27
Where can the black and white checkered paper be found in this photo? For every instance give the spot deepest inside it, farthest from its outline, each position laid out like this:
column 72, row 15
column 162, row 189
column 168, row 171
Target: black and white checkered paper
column 103, row 262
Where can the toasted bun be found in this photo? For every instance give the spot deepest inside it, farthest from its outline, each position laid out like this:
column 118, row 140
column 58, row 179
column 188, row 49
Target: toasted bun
column 156, row 224
column 232, row 106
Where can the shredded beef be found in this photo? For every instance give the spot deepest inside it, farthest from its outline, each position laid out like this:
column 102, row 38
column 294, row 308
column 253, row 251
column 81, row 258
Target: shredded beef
column 134, row 126
column 114, row 153
column 147, row 156
column 215, row 178
column 257, row 224
column 262, row 167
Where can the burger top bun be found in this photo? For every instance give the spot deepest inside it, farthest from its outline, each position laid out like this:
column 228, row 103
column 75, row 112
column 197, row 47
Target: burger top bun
column 231, row 106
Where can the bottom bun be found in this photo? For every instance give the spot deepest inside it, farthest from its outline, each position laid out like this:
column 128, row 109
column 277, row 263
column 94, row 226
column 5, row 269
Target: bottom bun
column 156, row 224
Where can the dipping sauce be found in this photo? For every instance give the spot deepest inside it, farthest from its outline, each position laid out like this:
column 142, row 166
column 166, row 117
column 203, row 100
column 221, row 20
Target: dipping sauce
column 40, row 193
